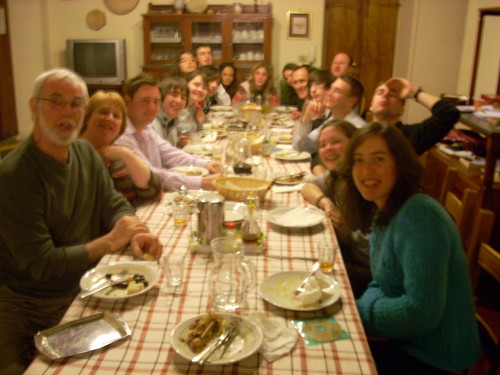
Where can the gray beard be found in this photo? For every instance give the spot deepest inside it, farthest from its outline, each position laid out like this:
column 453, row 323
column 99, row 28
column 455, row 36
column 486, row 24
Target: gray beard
column 52, row 135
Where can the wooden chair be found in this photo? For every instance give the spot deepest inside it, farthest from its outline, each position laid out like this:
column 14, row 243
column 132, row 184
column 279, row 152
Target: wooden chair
column 462, row 211
column 448, row 182
column 488, row 315
column 480, row 233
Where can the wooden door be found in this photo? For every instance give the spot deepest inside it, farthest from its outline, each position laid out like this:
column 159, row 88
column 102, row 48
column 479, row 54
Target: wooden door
column 8, row 119
column 367, row 31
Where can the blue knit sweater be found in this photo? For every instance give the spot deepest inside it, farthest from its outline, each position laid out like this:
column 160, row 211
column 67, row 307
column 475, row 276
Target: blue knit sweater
column 420, row 297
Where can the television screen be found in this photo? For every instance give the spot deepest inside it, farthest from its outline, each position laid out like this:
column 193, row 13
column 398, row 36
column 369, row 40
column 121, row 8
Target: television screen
column 95, row 60
column 98, row 61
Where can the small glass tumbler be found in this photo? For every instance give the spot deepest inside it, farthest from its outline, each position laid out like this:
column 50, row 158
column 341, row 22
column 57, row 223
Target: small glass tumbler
column 174, row 269
column 180, row 213
column 326, row 255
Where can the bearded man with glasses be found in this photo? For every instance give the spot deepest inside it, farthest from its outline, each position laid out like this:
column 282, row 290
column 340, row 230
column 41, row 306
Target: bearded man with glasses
column 59, row 215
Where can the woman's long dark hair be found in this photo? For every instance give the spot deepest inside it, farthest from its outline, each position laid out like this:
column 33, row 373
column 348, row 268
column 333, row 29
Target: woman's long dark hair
column 232, row 88
column 357, row 211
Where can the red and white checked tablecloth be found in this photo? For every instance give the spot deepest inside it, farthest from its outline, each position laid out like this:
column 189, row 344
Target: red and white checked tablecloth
column 152, row 316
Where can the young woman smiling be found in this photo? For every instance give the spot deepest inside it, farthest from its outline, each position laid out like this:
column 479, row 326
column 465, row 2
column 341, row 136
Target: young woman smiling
column 105, row 120
column 419, row 303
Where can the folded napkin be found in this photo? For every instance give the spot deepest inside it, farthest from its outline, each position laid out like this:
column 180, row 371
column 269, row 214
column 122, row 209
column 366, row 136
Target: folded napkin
column 210, row 137
column 316, row 288
column 287, row 188
column 297, row 217
column 279, row 340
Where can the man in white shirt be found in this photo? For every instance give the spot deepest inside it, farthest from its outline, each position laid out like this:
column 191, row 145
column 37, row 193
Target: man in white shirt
column 344, row 95
column 143, row 99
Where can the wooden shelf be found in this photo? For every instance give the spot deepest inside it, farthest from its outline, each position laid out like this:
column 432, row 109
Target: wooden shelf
column 167, row 33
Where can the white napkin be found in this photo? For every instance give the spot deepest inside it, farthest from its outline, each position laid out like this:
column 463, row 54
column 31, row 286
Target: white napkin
column 279, row 340
column 315, row 288
column 297, row 216
column 210, row 137
column 287, row 188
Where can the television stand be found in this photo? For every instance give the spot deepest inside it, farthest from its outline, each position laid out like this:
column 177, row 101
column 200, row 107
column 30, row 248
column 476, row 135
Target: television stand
column 96, row 87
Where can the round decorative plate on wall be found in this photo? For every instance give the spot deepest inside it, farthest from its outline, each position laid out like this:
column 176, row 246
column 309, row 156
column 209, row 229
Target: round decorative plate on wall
column 96, row 20
column 196, row 6
column 121, row 7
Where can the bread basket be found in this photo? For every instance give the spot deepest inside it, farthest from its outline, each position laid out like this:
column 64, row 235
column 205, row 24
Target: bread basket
column 237, row 189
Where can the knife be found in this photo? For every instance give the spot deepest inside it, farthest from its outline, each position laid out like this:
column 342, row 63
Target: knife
column 206, row 353
column 105, row 285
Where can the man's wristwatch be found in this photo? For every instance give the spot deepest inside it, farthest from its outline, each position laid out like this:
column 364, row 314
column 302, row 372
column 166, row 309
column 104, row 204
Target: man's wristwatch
column 415, row 96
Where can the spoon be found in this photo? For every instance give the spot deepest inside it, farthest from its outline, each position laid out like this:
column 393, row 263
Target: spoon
column 301, row 288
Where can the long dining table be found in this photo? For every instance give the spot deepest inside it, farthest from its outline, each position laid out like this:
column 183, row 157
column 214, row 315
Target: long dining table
column 153, row 315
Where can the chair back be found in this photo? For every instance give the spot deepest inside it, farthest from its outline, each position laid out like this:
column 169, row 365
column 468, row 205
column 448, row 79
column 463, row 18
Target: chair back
column 462, row 211
column 480, row 233
column 449, row 181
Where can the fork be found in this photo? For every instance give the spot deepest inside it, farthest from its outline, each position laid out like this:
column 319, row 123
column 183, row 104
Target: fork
column 106, row 283
column 301, row 287
column 224, row 338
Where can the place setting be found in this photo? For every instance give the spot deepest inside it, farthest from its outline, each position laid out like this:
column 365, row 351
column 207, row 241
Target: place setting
column 305, row 290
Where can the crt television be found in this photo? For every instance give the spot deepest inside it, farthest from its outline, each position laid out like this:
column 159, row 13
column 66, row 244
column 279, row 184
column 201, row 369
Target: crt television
column 97, row 61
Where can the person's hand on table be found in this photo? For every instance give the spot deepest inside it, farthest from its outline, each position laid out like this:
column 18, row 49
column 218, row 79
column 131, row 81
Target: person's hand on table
column 183, row 141
column 146, row 246
column 214, row 166
column 207, row 181
column 124, row 229
column 295, row 115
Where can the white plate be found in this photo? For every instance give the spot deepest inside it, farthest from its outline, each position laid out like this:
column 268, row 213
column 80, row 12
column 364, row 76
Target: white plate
column 246, row 343
column 295, row 182
column 285, row 109
column 95, row 274
column 191, row 171
column 292, row 155
column 278, row 290
column 221, row 108
column 284, row 139
column 199, row 149
column 311, row 217
column 234, row 211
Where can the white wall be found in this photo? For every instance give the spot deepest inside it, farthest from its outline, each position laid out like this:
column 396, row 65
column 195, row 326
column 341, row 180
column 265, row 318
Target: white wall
column 429, row 48
column 490, row 57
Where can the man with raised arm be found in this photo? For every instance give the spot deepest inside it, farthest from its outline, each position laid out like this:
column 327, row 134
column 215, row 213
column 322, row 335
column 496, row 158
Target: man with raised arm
column 387, row 106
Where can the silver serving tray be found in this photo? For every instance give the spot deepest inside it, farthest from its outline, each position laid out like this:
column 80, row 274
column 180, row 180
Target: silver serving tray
column 81, row 336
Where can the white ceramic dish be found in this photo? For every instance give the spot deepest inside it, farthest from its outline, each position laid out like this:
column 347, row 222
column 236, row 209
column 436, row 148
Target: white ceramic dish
column 278, row 290
column 221, row 108
column 191, row 171
column 91, row 277
column 292, row 155
column 234, row 211
column 294, row 182
column 199, row 149
column 285, row 109
column 309, row 217
column 247, row 341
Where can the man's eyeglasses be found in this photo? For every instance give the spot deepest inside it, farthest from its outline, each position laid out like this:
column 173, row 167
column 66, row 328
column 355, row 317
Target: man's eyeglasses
column 59, row 103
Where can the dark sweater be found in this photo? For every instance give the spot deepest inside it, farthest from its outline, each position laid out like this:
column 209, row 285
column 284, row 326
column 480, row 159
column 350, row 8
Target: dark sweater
column 49, row 210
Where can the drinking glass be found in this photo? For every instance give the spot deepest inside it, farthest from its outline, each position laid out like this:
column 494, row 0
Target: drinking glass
column 174, row 269
column 326, row 255
column 180, row 213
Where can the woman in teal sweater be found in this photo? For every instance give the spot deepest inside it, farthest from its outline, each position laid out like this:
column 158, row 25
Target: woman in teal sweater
column 419, row 304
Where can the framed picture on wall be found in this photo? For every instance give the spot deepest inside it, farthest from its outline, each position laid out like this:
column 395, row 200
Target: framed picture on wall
column 298, row 25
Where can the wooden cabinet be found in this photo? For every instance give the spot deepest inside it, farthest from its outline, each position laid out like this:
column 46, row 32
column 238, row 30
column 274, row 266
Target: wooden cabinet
column 437, row 163
column 243, row 38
